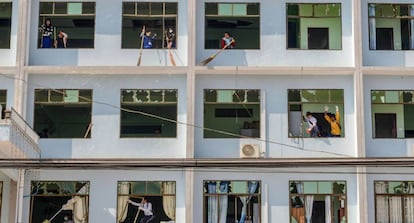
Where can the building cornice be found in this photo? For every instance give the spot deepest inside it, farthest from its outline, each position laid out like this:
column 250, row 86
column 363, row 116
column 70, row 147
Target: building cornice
column 105, row 70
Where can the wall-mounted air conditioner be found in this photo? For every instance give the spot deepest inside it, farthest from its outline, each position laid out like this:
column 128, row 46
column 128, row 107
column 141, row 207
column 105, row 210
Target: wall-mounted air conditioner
column 249, row 151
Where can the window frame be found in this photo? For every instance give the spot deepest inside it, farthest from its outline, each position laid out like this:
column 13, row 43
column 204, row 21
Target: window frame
column 149, row 102
column 230, row 134
column 62, row 91
column 313, row 12
column 43, row 16
column 289, row 103
column 8, row 47
column 163, row 17
column 3, row 103
column 206, row 195
column 86, row 195
column 332, row 195
column 395, row 17
column 232, row 16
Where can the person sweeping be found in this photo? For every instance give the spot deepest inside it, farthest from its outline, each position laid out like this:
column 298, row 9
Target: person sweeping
column 227, row 42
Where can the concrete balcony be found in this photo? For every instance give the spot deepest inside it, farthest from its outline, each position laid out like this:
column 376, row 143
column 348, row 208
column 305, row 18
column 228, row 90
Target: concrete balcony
column 17, row 139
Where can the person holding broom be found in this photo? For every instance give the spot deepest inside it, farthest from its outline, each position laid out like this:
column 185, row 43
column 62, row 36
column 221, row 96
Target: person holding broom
column 147, row 39
column 146, row 207
column 228, row 42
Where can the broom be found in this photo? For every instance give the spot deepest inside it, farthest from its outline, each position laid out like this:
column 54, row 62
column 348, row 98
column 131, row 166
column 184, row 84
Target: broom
column 208, row 60
column 142, row 43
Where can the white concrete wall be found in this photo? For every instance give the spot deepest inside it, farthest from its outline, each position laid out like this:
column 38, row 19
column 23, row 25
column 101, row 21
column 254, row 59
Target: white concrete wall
column 107, row 49
column 8, row 56
column 7, row 83
column 402, row 58
column 273, row 33
column 4, row 207
column 384, row 147
column 275, row 203
column 103, row 189
column 105, row 140
column 274, row 91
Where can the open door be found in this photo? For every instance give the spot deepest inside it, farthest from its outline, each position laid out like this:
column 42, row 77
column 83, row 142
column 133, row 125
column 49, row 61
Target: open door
column 385, row 125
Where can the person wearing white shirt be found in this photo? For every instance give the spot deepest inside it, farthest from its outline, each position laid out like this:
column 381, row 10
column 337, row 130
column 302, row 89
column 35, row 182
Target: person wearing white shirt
column 146, row 207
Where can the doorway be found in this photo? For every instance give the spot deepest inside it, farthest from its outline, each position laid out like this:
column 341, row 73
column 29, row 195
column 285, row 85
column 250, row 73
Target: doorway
column 318, row 38
column 385, row 125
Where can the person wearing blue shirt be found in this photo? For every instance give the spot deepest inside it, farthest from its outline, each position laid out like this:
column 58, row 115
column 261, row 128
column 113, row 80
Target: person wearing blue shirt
column 146, row 35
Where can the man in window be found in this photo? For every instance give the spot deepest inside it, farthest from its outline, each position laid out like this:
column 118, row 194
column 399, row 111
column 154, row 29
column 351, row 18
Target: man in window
column 313, row 129
column 146, row 207
column 147, row 39
column 228, row 42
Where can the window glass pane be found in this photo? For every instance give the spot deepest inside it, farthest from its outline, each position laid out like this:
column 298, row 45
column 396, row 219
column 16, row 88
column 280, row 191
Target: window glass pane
column 61, row 7
column 128, row 8
column 293, row 9
column 46, row 8
column 224, row 96
column 408, row 96
column 239, row 187
column 157, row 9
column 3, row 96
column 384, row 10
column 396, row 187
column 143, row 8
column 239, row 9
column 88, row 7
column 310, row 187
column 74, row 8
column 171, row 8
column 211, row 9
column 391, row 97
column 337, row 95
column 154, row 188
column 306, row 9
column 325, row 187
column 139, row 187
column 253, row 9
column 5, row 24
column 225, row 9
column 339, row 188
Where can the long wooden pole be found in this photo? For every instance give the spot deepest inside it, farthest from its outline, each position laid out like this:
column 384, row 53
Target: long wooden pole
column 142, row 43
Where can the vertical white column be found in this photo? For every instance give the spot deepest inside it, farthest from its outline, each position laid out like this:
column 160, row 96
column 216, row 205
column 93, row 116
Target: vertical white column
column 372, row 28
column 412, row 27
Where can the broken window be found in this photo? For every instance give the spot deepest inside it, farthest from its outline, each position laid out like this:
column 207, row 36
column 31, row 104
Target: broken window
column 391, row 26
column 5, row 24
column 392, row 113
column 76, row 20
column 159, row 20
column 148, row 113
column 63, row 113
column 57, row 199
column 318, row 201
column 157, row 197
column 314, row 26
column 231, row 113
column 316, row 112
column 232, row 201
column 240, row 20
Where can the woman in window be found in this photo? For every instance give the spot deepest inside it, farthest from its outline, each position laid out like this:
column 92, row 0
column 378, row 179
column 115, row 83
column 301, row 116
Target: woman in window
column 47, row 34
column 228, row 42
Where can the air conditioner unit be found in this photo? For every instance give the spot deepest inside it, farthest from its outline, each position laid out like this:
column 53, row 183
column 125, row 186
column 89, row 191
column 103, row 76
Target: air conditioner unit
column 249, row 151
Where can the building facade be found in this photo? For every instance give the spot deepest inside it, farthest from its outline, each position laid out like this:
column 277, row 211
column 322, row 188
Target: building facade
column 110, row 106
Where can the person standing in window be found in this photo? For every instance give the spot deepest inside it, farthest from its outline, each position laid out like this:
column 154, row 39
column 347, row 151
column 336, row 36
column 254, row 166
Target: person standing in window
column 46, row 30
column 313, row 129
column 146, row 35
column 170, row 38
column 228, row 42
column 333, row 120
column 61, row 40
column 146, row 207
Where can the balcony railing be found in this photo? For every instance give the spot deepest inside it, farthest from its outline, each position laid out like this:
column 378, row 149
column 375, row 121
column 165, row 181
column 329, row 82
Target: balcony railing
column 17, row 139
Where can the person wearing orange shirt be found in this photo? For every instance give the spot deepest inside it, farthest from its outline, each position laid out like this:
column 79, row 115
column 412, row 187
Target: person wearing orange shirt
column 334, row 121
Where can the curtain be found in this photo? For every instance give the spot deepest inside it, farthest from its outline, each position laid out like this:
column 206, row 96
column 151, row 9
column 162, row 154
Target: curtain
column 328, row 213
column 308, row 207
column 372, row 28
column 168, row 202
column 79, row 209
column 123, row 201
column 412, row 28
column 223, row 201
column 382, row 211
column 395, row 209
column 252, row 187
column 409, row 204
column 212, row 203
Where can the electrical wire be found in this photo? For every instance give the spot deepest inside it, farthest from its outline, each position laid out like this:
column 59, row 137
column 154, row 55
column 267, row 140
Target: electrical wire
column 178, row 122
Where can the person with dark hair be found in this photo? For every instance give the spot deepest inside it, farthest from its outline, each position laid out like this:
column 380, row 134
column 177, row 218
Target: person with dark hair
column 61, row 40
column 146, row 207
column 46, row 30
column 67, row 218
column 170, row 38
column 147, row 39
column 313, row 129
column 333, row 120
column 228, row 42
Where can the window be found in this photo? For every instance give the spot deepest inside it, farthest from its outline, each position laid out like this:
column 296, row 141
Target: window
column 318, row 201
column 240, row 20
column 149, row 113
column 314, row 26
column 49, row 197
column 3, row 100
column 157, row 17
column 316, row 113
column 232, row 201
column 394, row 201
column 158, row 196
column 231, row 113
column 392, row 113
column 390, row 26
column 76, row 20
column 1, row 196
column 5, row 24
column 63, row 113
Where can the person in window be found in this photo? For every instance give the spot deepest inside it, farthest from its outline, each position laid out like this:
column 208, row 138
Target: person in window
column 333, row 120
column 170, row 38
column 146, row 207
column 47, row 34
column 67, row 218
column 146, row 35
column 61, row 40
column 228, row 42
column 313, row 129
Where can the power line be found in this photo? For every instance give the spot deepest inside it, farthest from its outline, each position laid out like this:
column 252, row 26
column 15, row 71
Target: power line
column 176, row 121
